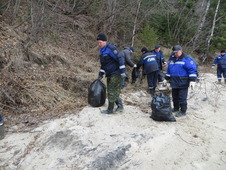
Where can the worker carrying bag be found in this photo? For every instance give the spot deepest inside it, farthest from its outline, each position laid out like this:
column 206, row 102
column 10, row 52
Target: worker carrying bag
column 97, row 93
column 161, row 108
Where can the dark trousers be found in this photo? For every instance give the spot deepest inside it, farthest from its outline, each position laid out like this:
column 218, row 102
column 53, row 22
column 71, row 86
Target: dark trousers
column 152, row 79
column 180, row 95
column 160, row 76
column 224, row 72
column 219, row 72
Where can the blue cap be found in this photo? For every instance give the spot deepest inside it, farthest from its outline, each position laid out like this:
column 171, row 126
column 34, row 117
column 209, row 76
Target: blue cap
column 176, row 48
column 131, row 48
column 157, row 46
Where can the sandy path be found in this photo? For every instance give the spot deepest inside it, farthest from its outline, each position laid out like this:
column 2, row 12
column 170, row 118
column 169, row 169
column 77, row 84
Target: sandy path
column 127, row 140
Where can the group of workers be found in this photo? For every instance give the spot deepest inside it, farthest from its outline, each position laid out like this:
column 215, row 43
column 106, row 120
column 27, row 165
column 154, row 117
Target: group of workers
column 181, row 72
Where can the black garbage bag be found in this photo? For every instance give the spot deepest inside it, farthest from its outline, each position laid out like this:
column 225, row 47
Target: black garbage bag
column 97, row 93
column 161, row 108
column 135, row 74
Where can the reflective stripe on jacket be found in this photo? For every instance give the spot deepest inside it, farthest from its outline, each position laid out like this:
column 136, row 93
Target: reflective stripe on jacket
column 181, row 71
column 159, row 57
column 149, row 63
column 220, row 61
column 111, row 62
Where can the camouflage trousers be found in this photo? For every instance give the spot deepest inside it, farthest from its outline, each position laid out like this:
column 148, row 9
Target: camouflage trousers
column 114, row 84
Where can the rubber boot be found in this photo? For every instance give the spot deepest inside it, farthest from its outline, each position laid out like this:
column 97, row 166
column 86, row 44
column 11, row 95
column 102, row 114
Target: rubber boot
column 175, row 107
column 219, row 81
column 119, row 104
column 110, row 108
column 183, row 109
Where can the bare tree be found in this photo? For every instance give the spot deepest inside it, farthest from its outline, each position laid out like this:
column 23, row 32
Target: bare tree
column 213, row 25
column 16, row 7
column 135, row 21
column 11, row 9
column 111, row 12
column 37, row 14
column 201, row 25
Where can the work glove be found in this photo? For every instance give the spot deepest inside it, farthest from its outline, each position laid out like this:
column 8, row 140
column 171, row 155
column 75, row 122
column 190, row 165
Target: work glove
column 123, row 75
column 192, row 85
column 135, row 66
column 164, row 82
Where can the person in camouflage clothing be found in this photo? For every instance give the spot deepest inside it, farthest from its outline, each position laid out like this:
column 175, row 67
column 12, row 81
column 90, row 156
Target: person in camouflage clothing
column 113, row 66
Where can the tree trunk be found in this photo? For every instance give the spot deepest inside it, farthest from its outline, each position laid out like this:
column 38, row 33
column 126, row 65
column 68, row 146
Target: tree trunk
column 15, row 10
column 213, row 26
column 112, row 11
column 201, row 26
column 135, row 21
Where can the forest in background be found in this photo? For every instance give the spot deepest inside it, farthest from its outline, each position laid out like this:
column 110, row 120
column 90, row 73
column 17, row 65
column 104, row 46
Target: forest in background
column 197, row 25
column 43, row 41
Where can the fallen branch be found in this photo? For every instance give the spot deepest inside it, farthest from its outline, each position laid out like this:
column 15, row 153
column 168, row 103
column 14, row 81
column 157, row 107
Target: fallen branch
column 186, row 141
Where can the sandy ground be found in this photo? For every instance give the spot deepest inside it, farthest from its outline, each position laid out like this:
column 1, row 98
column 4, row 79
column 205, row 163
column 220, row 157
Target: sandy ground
column 127, row 140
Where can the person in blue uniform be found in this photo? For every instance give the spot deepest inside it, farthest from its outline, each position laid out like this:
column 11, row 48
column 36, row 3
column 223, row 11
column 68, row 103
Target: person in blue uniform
column 160, row 60
column 143, row 51
column 150, row 67
column 113, row 66
column 220, row 60
column 181, row 73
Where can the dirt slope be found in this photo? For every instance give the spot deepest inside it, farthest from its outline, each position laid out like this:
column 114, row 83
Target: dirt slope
column 41, row 79
column 128, row 140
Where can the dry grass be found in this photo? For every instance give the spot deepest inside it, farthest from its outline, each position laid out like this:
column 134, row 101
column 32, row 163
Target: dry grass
column 43, row 80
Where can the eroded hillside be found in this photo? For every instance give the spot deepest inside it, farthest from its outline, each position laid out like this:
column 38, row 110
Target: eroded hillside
column 43, row 77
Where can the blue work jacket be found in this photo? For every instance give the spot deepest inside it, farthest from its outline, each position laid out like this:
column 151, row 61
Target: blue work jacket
column 149, row 63
column 181, row 71
column 220, row 61
column 159, row 58
column 111, row 62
